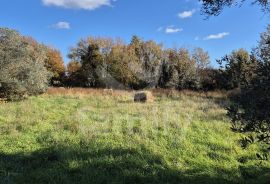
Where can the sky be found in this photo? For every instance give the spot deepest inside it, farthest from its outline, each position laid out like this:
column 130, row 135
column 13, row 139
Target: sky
column 175, row 23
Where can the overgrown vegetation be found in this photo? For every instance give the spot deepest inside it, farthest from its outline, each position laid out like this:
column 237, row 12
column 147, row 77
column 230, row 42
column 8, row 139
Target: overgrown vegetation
column 99, row 136
column 103, row 62
column 250, row 109
column 22, row 70
column 102, row 136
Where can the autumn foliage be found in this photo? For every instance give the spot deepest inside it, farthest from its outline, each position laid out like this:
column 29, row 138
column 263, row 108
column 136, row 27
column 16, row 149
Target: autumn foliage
column 55, row 64
column 22, row 71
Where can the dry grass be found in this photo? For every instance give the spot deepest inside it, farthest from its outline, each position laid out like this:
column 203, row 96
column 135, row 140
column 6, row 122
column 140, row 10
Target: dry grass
column 156, row 92
column 84, row 92
column 203, row 94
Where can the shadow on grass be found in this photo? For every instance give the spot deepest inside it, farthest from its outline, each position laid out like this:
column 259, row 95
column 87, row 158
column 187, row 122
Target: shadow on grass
column 65, row 165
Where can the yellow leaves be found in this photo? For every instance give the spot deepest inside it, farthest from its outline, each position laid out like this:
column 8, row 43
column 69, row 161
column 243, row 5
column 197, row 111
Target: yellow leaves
column 54, row 62
column 73, row 67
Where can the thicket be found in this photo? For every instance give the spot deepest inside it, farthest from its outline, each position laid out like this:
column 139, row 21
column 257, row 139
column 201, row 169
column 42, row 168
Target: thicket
column 250, row 109
column 26, row 66
column 22, row 70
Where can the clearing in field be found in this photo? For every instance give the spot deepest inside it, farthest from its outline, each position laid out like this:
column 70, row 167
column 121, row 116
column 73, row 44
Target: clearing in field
column 98, row 136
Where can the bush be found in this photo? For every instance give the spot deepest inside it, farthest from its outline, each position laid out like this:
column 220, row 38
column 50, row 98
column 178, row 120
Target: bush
column 237, row 69
column 209, row 79
column 250, row 110
column 22, row 71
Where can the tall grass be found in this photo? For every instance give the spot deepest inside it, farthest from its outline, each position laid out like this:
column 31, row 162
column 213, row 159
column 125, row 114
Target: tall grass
column 102, row 136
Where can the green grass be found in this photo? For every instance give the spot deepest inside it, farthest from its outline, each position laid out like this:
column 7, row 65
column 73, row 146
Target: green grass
column 109, row 139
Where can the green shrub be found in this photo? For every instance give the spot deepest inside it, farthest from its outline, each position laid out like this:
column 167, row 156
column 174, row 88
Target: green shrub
column 22, row 71
column 250, row 110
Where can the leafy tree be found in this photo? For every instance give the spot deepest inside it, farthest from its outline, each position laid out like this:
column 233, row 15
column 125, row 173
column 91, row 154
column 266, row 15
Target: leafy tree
column 88, row 54
column 178, row 70
column 263, row 50
column 209, row 79
column 74, row 76
column 169, row 75
column 149, row 56
column 122, row 67
column 136, row 44
column 73, row 67
column 237, row 68
column 22, row 70
column 201, row 58
column 170, row 68
column 215, row 7
column 55, row 64
column 54, row 61
column 250, row 109
column 187, row 73
column 147, row 62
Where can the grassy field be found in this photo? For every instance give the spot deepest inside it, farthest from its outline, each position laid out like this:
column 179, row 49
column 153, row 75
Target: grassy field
column 98, row 136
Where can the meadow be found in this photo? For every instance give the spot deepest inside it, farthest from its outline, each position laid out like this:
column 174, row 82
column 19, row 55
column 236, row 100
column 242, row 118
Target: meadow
column 102, row 136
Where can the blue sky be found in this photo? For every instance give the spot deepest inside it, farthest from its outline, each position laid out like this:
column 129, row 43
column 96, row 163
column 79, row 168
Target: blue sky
column 176, row 23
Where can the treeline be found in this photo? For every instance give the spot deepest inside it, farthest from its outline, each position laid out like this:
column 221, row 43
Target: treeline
column 108, row 63
column 28, row 67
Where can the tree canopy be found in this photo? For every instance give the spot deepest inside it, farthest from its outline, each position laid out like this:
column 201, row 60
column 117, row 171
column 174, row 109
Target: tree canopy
column 215, row 7
column 22, row 70
column 104, row 62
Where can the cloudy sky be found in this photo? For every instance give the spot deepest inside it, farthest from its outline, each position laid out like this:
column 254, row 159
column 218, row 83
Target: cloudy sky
column 176, row 23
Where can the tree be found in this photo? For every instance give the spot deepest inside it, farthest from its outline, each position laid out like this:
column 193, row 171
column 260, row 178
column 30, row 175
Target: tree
column 215, row 7
column 55, row 64
column 263, row 50
column 73, row 67
column 249, row 111
column 88, row 54
column 178, row 70
column 22, row 70
column 122, row 67
column 201, row 58
column 237, row 68
column 250, row 108
column 136, row 43
column 209, row 79
column 203, row 73
column 148, row 57
column 73, row 76
column 169, row 73
column 187, row 72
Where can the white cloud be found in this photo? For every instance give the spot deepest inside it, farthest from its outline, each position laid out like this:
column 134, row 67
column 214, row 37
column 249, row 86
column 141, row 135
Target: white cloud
column 61, row 25
column 186, row 14
column 216, row 36
column 78, row 4
column 173, row 29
